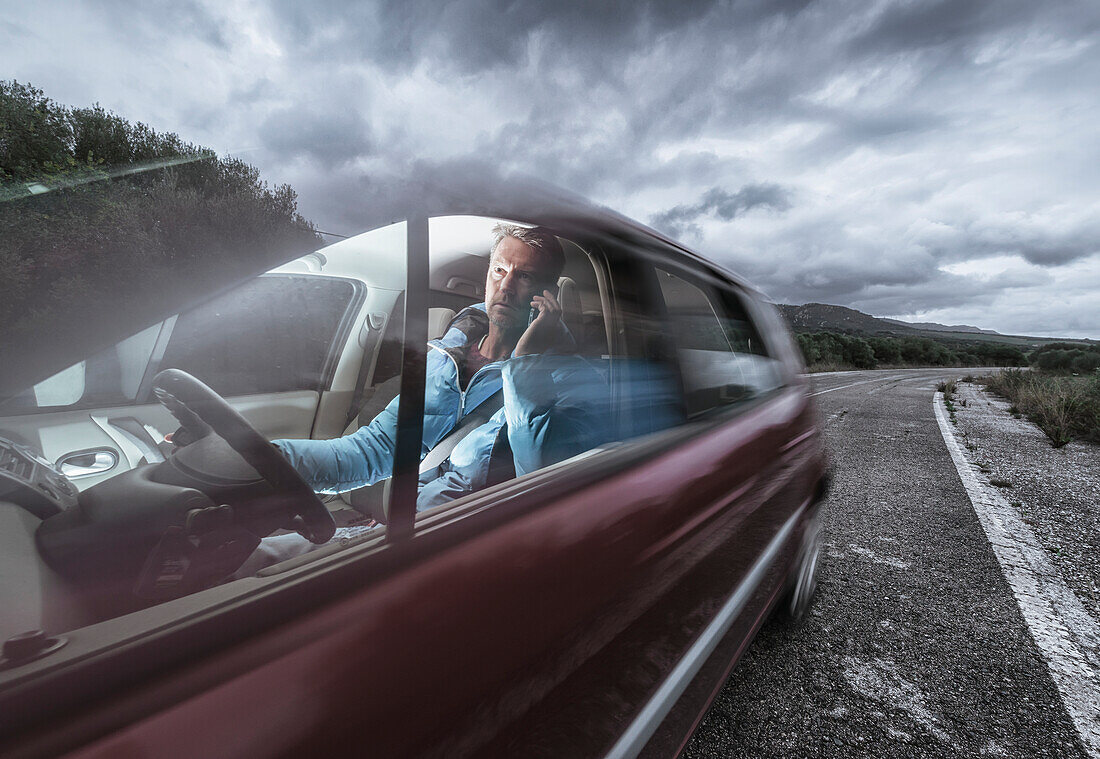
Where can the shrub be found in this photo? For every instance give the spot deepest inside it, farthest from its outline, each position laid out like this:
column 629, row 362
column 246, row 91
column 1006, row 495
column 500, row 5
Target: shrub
column 1067, row 357
column 886, row 350
column 1086, row 363
column 826, row 351
column 1065, row 408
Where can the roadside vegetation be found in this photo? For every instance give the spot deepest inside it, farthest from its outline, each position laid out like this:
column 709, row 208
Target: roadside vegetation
column 948, row 389
column 80, row 187
column 832, row 351
column 1064, row 406
column 1076, row 358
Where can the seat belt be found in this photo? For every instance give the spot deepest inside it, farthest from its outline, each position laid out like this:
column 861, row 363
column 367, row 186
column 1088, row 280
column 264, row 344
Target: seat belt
column 379, row 398
column 465, row 426
column 373, row 500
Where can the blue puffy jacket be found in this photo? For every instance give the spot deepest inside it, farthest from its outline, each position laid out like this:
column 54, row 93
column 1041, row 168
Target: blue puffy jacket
column 556, row 405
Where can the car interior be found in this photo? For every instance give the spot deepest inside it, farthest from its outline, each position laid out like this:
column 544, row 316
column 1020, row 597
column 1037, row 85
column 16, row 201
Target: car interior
column 457, row 277
column 93, row 475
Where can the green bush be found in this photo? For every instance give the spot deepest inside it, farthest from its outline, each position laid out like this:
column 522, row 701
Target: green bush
column 1065, row 408
column 886, row 350
column 1086, row 363
column 827, row 351
column 1067, row 357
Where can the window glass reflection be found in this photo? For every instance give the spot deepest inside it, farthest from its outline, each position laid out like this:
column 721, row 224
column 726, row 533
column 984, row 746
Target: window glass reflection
column 722, row 358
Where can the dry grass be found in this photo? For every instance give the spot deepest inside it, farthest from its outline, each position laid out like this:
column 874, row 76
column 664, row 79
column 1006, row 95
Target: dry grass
column 1064, row 407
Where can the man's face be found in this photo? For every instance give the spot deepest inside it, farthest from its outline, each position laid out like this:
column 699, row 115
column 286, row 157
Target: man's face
column 517, row 272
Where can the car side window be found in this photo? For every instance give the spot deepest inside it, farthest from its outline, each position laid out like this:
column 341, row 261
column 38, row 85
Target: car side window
column 273, row 334
column 109, row 377
column 722, row 358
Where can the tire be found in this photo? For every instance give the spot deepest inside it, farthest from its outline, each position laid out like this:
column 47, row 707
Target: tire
column 800, row 596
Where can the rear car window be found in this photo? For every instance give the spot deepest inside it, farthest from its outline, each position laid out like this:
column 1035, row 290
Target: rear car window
column 722, row 358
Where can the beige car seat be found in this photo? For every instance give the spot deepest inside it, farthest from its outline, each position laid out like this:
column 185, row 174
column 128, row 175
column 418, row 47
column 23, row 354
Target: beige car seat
column 570, row 299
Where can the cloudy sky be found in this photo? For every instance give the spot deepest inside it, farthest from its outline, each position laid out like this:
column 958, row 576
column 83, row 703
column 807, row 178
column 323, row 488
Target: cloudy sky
column 922, row 160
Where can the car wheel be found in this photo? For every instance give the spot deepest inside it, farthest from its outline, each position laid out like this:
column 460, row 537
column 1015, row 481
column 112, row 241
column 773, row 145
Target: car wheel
column 804, row 584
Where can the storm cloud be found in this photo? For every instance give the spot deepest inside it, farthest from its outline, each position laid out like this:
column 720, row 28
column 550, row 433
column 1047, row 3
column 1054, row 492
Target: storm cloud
column 329, row 137
column 922, row 160
column 719, row 204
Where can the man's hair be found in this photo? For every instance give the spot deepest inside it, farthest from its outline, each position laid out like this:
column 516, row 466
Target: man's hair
column 540, row 238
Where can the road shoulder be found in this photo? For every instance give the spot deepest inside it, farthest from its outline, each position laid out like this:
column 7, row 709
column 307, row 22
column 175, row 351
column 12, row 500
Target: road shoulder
column 1055, row 490
column 1062, row 627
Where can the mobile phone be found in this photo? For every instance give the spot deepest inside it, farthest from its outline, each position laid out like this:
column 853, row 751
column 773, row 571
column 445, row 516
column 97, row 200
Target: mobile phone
column 534, row 310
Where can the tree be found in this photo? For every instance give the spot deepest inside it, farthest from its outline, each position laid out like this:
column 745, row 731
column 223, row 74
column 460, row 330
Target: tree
column 858, row 353
column 132, row 221
column 886, row 350
column 35, row 134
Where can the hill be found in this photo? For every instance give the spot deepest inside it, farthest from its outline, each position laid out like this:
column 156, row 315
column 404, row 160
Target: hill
column 824, row 317
column 934, row 327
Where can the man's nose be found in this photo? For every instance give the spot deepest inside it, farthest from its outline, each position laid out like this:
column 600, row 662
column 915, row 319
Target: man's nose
column 508, row 283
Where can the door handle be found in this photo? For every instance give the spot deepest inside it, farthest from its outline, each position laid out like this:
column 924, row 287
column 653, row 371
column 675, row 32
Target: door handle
column 87, row 463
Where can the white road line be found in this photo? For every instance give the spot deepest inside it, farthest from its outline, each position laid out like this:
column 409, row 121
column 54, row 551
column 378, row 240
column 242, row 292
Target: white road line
column 1065, row 633
column 853, row 384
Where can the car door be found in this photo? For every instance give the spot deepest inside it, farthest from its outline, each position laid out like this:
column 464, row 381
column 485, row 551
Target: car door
column 115, row 655
column 704, row 514
column 743, row 519
column 270, row 346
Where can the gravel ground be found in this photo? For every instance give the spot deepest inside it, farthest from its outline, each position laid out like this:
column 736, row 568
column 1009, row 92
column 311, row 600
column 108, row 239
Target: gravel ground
column 1055, row 490
column 915, row 646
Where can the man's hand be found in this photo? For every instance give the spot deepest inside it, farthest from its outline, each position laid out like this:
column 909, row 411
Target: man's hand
column 543, row 331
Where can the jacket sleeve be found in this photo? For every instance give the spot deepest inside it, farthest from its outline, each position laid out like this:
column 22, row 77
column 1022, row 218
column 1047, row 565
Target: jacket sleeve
column 556, row 407
column 346, row 463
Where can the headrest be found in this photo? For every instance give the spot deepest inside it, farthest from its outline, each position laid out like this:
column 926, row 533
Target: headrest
column 438, row 319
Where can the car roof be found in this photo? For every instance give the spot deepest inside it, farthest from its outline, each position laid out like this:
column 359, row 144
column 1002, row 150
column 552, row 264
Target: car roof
column 523, row 199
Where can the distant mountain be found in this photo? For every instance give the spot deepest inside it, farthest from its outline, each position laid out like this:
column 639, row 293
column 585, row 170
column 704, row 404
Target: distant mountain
column 822, row 317
column 933, row 327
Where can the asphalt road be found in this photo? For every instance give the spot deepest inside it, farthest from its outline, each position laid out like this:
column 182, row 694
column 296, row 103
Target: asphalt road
column 915, row 646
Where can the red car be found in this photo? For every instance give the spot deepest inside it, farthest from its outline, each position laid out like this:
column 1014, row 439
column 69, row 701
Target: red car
column 589, row 608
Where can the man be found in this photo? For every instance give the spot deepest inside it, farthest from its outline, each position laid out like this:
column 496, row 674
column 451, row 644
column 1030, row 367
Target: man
column 552, row 403
column 513, row 351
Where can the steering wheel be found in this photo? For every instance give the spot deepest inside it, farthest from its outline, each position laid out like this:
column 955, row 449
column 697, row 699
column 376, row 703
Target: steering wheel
column 197, row 408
